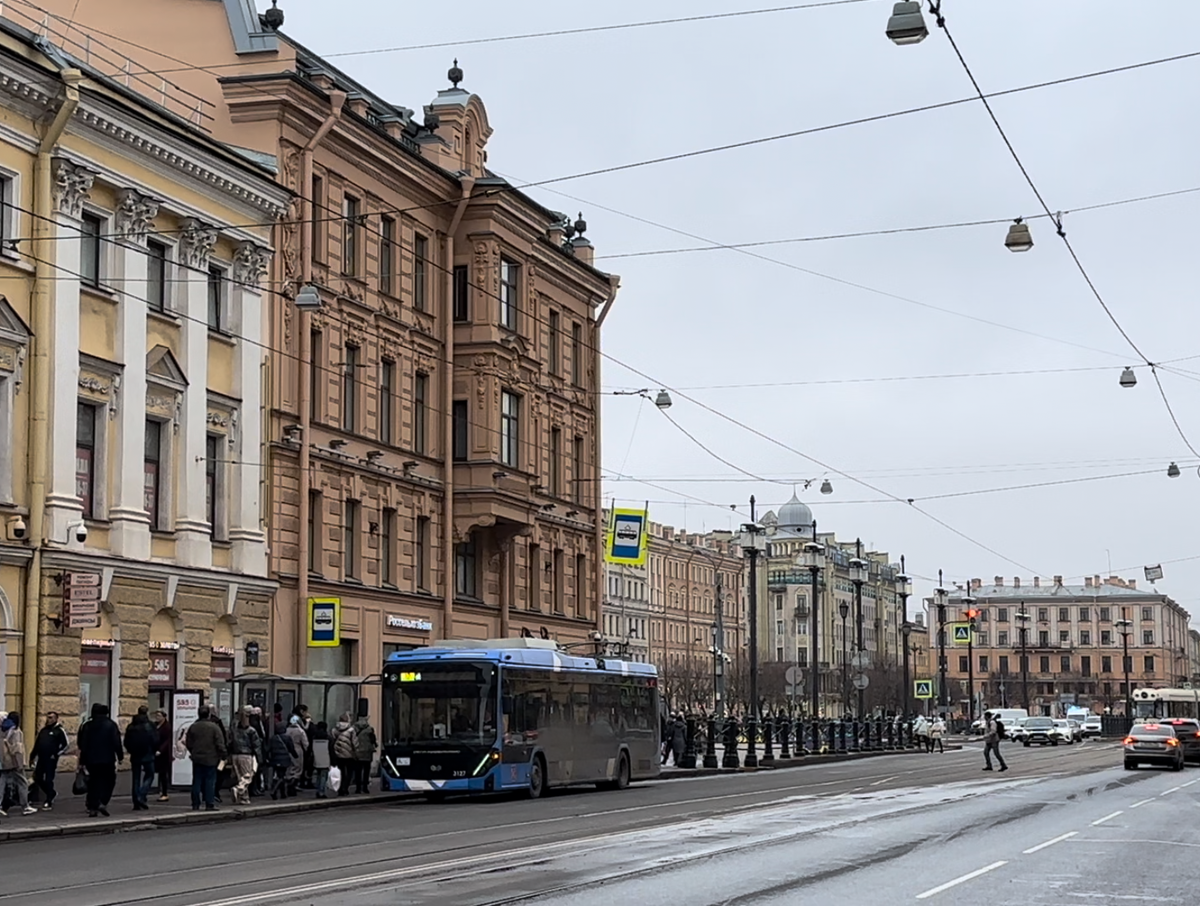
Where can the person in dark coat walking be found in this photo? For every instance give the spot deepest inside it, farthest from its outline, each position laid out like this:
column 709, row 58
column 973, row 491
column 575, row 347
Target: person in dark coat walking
column 281, row 754
column 676, row 740
column 50, row 745
column 207, row 747
column 365, row 745
column 99, row 743
column 164, row 754
column 141, row 740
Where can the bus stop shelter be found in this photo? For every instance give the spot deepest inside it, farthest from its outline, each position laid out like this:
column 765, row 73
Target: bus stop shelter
column 327, row 697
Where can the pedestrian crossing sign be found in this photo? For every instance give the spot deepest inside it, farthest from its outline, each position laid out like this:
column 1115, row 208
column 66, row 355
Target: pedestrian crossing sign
column 961, row 633
column 923, row 688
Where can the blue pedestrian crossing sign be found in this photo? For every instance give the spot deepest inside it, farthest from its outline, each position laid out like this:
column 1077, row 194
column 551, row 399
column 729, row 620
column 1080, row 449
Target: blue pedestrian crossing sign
column 961, row 633
column 923, row 688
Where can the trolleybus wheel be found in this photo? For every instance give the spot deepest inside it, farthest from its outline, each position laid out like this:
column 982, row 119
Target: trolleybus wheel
column 537, row 778
column 621, row 781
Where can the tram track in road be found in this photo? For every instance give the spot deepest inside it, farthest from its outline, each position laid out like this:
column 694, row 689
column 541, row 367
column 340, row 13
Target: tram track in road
column 703, row 797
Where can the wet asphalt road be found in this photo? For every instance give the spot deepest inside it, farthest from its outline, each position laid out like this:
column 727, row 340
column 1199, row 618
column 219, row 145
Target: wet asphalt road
column 1064, row 825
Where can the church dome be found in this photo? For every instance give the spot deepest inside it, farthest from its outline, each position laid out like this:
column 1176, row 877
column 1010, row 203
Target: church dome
column 795, row 515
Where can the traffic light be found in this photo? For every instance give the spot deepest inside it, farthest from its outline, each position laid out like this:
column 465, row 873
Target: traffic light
column 971, row 614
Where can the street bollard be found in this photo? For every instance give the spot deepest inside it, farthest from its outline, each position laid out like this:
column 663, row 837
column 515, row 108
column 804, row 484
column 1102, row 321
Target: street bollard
column 815, row 729
column 891, row 735
column 731, row 743
column 785, row 731
column 710, row 748
column 856, row 739
column 864, row 727
column 751, row 759
column 842, row 735
column 689, row 747
column 801, row 747
column 827, row 732
column 869, row 735
column 768, row 725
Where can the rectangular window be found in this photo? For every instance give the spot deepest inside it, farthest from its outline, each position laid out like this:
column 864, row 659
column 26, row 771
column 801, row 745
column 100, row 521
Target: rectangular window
column 420, row 256
column 555, row 462
column 1043, row 637
column 315, row 534
column 387, row 547
column 981, row 639
column 983, row 663
column 1106, row 637
column 964, row 663
column 1147, row 614
column 316, row 375
column 510, row 275
column 1003, row 664
column 1085, row 615
column 466, row 568
column 1085, row 665
column 510, row 429
column 1064, row 615
column 85, row 457
column 1085, row 637
column 1064, row 637
column 317, row 219
column 350, row 540
column 420, row 408
column 460, row 425
column 558, row 581
column 533, row 578
column 1002, row 615
column 1106, row 664
column 8, row 228
column 216, row 297
column 1147, row 636
column 349, row 387
column 462, row 291
column 1043, row 614
column 387, row 399
column 581, row 609
column 350, row 227
column 90, row 231
column 152, row 474
column 387, row 254
column 577, row 355
column 1105, row 615
column 421, row 553
column 1064, row 663
column 1002, row 638
column 555, row 351
column 1044, row 663
column 156, row 275
column 213, row 485
column 1148, row 663
column 577, row 477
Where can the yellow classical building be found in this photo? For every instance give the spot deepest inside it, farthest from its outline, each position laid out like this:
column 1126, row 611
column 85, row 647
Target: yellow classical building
column 133, row 556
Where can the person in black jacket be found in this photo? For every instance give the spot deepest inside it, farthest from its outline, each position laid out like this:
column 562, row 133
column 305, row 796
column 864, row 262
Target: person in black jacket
column 141, row 741
column 164, row 754
column 49, row 746
column 281, row 754
column 100, row 752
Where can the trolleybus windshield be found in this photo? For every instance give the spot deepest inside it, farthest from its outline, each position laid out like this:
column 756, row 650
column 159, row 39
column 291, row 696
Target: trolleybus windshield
column 440, row 702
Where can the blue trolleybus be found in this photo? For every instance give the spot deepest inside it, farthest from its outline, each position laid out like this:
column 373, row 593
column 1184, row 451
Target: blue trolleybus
column 515, row 714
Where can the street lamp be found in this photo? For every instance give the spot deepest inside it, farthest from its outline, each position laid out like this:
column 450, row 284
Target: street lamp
column 1023, row 619
column 905, row 632
column 843, row 612
column 941, row 597
column 858, row 576
column 1019, row 238
column 1172, row 471
column 907, row 25
column 1128, row 378
column 1124, row 624
column 903, row 590
column 753, row 543
column 812, row 557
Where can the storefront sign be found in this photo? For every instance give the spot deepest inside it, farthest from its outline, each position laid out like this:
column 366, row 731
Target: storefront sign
column 395, row 622
column 221, row 670
column 165, row 646
column 97, row 643
column 252, row 654
column 81, row 600
column 324, row 622
column 162, row 671
column 94, row 663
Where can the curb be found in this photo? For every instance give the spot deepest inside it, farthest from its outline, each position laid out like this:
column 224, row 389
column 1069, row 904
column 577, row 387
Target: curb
column 786, row 764
column 120, row 825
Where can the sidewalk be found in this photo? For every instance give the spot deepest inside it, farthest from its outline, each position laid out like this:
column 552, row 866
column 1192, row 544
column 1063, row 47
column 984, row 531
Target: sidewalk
column 69, row 817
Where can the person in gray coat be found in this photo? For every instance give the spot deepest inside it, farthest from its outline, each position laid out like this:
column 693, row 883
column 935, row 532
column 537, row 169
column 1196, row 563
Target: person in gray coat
column 365, row 745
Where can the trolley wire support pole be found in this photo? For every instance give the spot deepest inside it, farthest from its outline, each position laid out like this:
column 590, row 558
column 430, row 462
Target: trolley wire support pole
column 941, row 595
column 970, row 613
column 753, row 543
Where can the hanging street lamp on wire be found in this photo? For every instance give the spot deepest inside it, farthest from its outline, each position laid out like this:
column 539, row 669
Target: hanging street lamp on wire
column 1172, row 471
column 1128, row 378
column 1019, row 238
column 907, row 25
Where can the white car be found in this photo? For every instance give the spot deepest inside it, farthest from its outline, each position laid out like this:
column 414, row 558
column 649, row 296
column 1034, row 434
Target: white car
column 1016, row 732
column 1092, row 726
column 1063, row 731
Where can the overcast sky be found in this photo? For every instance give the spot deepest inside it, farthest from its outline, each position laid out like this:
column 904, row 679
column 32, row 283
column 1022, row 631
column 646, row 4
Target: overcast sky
column 568, row 104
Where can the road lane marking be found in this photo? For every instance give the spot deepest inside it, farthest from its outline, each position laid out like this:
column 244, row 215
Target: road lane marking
column 1143, row 802
column 1174, row 789
column 1100, row 821
column 1189, row 783
column 970, row 876
column 884, row 780
column 1058, row 839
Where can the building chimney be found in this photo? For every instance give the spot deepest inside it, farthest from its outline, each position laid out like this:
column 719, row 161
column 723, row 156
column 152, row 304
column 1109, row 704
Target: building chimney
column 1096, row 581
column 1058, row 581
column 999, row 581
column 976, row 584
column 1037, row 581
column 1016, row 581
column 1087, row 581
column 1132, row 583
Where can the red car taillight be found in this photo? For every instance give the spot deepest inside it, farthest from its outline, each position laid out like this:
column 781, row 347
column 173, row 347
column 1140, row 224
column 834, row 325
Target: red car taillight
column 1172, row 742
column 1128, row 740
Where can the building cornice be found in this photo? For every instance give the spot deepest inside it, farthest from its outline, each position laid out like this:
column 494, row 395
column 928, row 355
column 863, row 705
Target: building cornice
column 61, row 559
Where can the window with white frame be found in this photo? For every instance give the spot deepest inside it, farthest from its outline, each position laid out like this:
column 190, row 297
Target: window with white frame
column 157, row 288
column 217, row 293
column 8, row 211
column 154, row 474
column 214, row 485
column 510, row 276
column 90, row 255
column 510, row 429
column 87, row 449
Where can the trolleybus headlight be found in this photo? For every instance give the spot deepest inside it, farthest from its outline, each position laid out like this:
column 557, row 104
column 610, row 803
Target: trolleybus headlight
column 488, row 760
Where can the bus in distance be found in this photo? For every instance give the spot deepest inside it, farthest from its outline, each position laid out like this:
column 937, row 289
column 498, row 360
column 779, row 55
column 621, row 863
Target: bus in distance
column 1157, row 704
column 515, row 714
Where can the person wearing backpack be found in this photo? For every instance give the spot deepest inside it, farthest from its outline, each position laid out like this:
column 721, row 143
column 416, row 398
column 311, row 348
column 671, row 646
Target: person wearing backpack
column 993, row 733
column 343, row 736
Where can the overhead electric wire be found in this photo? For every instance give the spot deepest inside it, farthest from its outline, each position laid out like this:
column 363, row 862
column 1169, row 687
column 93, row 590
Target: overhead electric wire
column 1057, row 218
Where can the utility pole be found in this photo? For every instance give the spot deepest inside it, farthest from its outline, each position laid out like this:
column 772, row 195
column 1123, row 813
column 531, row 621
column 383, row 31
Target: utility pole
column 1124, row 624
column 858, row 575
column 1023, row 619
column 816, row 561
column 719, row 653
column 752, row 718
column 970, row 613
column 940, row 596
